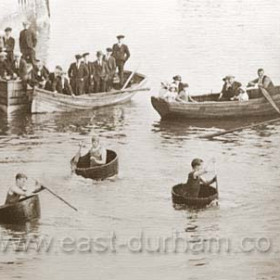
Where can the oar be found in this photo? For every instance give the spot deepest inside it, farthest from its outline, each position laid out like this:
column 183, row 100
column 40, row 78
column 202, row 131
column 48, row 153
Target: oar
column 210, row 136
column 56, row 195
column 269, row 99
column 129, row 78
column 217, row 185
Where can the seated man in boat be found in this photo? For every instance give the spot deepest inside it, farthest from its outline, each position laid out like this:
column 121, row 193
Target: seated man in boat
column 5, row 70
column 230, row 88
column 177, row 81
column 19, row 190
column 184, row 96
column 39, row 75
column 195, row 180
column 97, row 154
column 262, row 81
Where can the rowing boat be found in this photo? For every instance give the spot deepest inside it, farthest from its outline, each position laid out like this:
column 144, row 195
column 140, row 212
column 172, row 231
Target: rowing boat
column 110, row 169
column 26, row 209
column 44, row 101
column 208, row 108
column 206, row 196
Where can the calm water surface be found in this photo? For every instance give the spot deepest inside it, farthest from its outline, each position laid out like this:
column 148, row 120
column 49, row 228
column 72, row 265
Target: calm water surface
column 202, row 40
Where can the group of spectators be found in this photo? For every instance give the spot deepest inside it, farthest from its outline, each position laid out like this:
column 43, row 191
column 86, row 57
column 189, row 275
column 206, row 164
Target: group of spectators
column 82, row 77
column 232, row 90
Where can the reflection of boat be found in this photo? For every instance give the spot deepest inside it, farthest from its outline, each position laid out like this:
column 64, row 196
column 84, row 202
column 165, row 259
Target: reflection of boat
column 207, row 107
column 206, row 196
column 27, row 209
column 46, row 101
column 102, row 172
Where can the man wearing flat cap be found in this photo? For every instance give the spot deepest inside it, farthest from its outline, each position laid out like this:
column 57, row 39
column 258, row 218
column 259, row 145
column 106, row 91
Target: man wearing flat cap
column 100, row 73
column 230, row 88
column 78, row 73
column 111, row 68
column 27, row 43
column 9, row 43
column 39, row 75
column 121, row 54
column 89, row 80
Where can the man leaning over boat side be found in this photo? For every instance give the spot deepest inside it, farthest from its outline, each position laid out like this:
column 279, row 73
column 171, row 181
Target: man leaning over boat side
column 19, row 190
column 262, row 81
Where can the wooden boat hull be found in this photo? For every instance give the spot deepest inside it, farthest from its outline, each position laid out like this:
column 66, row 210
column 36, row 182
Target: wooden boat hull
column 206, row 196
column 110, row 169
column 47, row 102
column 27, row 209
column 207, row 109
column 13, row 97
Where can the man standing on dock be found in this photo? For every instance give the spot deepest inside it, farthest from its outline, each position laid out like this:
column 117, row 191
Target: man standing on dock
column 27, row 43
column 9, row 43
column 121, row 54
column 78, row 74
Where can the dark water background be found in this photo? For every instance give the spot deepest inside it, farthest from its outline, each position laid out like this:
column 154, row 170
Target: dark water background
column 167, row 38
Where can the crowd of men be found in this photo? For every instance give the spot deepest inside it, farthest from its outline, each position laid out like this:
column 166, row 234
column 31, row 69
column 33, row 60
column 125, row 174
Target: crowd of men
column 85, row 76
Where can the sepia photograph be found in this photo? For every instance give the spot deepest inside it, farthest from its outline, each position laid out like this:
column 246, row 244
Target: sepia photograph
column 139, row 139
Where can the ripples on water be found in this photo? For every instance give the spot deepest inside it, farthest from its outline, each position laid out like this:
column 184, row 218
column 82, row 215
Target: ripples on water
column 153, row 155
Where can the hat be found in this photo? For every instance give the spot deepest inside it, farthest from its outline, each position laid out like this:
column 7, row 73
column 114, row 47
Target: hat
column 78, row 56
column 8, row 29
column 109, row 49
column 37, row 60
column 228, row 77
column 196, row 161
column 59, row 68
column 25, row 22
column 85, row 54
column 185, row 85
column 177, row 78
column 120, row 36
column 99, row 53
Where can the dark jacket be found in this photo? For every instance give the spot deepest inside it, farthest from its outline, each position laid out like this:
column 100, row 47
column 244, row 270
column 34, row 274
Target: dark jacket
column 9, row 44
column 20, row 69
column 76, row 73
column 121, row 53
column 100, row 71
column 111, row 66
column 231, row 91
column 27, row 40
column 37, row 76
column 5, row 69
column 266, row 83
column 55, row 83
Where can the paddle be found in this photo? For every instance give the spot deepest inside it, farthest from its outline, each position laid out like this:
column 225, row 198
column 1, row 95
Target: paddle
column 269, row 99
column 129, row 78
column 217, row 185
column 56, row 195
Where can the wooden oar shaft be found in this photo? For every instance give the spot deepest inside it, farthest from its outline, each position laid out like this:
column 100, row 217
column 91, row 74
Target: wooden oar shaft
column 266, row 94
column 209, row 136
column 60, row 198
column 128, row 80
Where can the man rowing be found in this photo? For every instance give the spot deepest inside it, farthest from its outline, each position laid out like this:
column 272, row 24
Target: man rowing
column 19, row 190
column 262, row 81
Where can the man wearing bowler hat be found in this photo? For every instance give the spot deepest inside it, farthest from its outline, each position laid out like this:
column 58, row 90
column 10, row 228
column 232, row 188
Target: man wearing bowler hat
column 78, row 74
column 111, row 68
column 9, row 43
column 27, row 43
column 121, row 54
